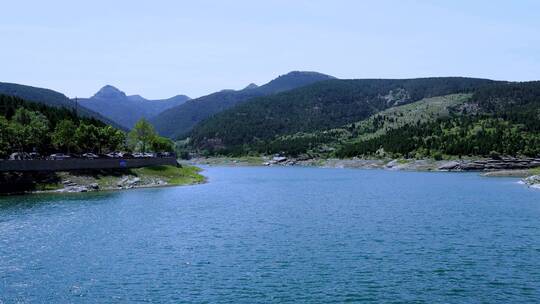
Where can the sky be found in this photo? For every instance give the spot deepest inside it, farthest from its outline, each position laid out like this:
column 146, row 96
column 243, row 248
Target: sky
column 161, row 48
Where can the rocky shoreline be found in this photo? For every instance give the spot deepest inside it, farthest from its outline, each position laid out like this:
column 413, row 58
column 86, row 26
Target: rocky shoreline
column 489, row 167
column 99, row 180
column 506, row 163
column 532, row 181
column 123, row 183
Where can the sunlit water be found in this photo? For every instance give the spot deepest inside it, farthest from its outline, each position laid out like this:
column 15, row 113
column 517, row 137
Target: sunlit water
column 278, row 235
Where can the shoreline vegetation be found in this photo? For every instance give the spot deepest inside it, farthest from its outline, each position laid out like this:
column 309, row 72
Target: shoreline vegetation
column 530, row 176
column 105, row 180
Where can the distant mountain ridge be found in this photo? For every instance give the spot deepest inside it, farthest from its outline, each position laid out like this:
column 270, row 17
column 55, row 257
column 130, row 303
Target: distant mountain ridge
column 179, row 120
column 127, row 110
column 51, row 98
column 319, row 106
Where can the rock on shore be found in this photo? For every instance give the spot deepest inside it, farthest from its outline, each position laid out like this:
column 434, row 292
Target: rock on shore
column 532, row 181
column 87, row 184
column 505, row 163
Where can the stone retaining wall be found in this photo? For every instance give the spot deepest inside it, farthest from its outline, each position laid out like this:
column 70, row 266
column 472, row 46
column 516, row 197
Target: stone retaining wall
column 82, row 164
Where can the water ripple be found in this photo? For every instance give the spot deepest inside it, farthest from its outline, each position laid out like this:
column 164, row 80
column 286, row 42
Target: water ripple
column 278, row 235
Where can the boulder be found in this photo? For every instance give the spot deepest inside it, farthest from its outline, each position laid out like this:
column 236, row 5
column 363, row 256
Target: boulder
column 74, row 189
column 397, row 165
column 122, row 181
column 133, row 181
column 532, row 180
column 392, row 164
column 279, row 159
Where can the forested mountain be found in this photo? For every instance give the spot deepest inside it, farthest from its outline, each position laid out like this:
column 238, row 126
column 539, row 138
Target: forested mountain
column 50, row 98
column 325, row 143
column 127, row 110
column 35, row 127
column 319, row 106
column 501, row 119
column 179, row 120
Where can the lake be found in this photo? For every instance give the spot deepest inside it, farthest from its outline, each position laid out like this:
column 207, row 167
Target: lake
column 276, row 235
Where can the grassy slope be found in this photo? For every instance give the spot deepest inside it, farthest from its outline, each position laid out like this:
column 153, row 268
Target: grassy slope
column 184, row 175
column 535, row 171
column 423, row 110
column 427, row 109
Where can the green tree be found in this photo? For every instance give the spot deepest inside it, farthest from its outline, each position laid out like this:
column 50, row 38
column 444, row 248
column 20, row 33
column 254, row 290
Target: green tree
column 63, row 136
column 30, row 129
column 111, row 139
column 162, row 144
column 141, row 136
column 6, row 137
column 87, row 138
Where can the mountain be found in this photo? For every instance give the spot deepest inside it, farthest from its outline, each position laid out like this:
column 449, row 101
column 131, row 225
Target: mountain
column 499, row 119
column 127, row 110
column 251, row 86
column 50, row 98
column 179, row 120
column 330, row 142
column 320, row 106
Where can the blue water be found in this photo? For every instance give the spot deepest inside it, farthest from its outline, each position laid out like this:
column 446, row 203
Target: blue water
column 277, row 235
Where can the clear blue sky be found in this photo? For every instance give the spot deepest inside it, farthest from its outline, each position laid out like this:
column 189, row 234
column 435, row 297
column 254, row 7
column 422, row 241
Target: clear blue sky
column 163, row 48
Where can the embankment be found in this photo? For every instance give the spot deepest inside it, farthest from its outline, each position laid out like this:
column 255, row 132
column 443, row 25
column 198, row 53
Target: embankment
column 98, row 179
column 83, row 164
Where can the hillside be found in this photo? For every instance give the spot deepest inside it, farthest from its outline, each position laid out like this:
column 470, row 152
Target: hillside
column 50, row 98
column 497, row 119
column 35, row 127
column 325, row 142
column 501, row 119
column 178, row 121
column 319, row 106
column 127, row 110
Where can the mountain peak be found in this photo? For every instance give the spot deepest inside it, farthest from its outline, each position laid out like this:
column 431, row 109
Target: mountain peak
column 137, row 97
column 293, row 80
column 306, row 74
column 109, row 91
column 251, row 86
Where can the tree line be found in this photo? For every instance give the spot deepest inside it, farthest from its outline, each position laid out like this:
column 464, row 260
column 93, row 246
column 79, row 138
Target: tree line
column 459, row 136
column 31, row 127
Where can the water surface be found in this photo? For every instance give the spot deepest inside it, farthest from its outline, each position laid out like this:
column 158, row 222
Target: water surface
column 278, row 235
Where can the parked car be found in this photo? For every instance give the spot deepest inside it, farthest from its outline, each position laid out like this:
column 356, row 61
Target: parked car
column 19, row 156
column 125, row 155
column 34, row 155
column 143, row 155
column 59, row 156
column 138, row 155
column 112, row 155
column 165, row 154
column 90, row 156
